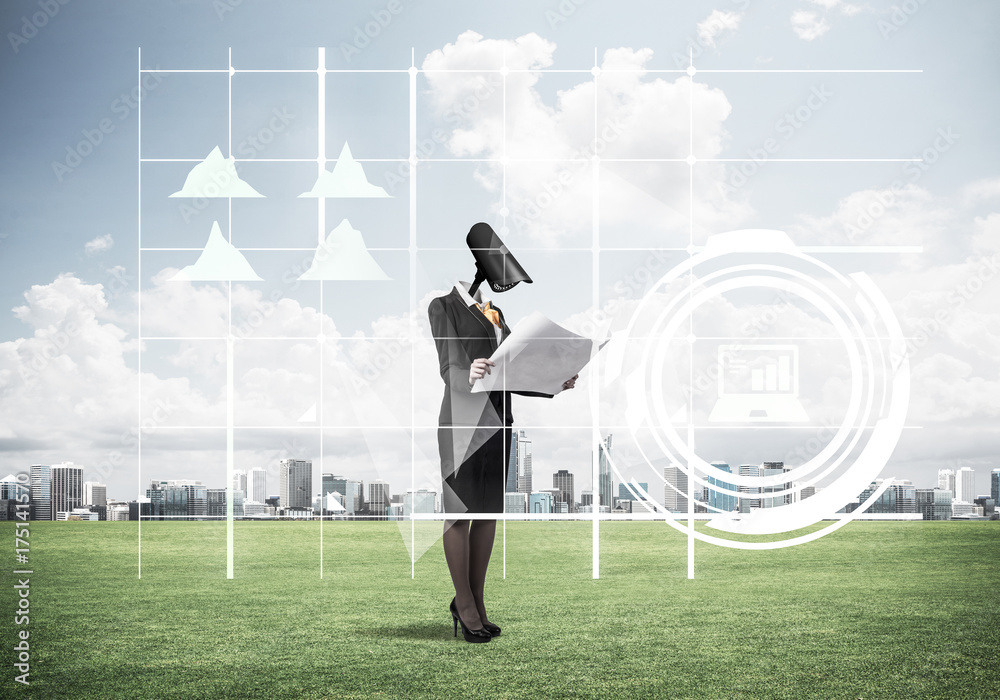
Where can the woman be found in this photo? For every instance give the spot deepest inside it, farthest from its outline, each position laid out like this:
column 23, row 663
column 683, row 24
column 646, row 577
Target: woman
column 474, row 437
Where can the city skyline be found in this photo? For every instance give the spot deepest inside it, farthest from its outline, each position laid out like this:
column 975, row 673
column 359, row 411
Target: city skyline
column 67, row 493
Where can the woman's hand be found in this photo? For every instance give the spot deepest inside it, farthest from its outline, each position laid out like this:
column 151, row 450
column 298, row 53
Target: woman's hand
column 571, row 382
column 479, row 369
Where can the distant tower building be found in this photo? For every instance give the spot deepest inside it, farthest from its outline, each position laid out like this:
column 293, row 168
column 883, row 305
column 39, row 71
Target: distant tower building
column 586, row 499
column 906, row 496
column 563, row 481
column 327, row 485
column 41, row 492
column 515, row 502
column 540, row 502
column 419, row 501
column 95, row 494
column 604, row 474
column 512, row 466
column 718, row 498
column 995, row 485
column 933, row 504
column 965, row 485
column 378, row 497
column 675, row 490
column 523, row 463
column 215, row 503
column 774, row 469
column 240, row 481
column 946, row 480
column 257, row 485
column 625, row 495
column 67, row 487
column 752, row 499
column 296, row 483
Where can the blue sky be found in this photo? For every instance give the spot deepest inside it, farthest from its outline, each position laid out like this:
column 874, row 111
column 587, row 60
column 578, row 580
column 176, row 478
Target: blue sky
column 74, row 73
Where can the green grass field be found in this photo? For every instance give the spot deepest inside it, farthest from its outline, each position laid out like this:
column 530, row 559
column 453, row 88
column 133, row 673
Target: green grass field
column 875, row 610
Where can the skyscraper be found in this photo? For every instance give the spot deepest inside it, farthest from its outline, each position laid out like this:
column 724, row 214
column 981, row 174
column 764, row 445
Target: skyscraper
column 540, row 502
column 257, row 485
column 965, row 485
column 563, row 481
column 296, row 483
column 946, row 480
column 675, row 489
column 419, row 501
column 995, row 485
column 378, row 497
column 67, row 487
column 515, row 502
column 625, row 495
column 327, row 485
column 604, row 474
column 934, row 504
column 718, row 498
column 523, row 463
column 41, row 492
column 95, row 494
column 752, row 499
column 240, row 481
column 512, row 467
column 774, row 469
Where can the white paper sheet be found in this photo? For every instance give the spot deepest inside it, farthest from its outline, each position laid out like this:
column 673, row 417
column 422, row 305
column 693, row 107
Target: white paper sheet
column 538, row 355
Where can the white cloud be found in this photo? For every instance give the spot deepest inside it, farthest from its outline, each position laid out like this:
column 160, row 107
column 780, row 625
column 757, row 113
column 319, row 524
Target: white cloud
column 719, row 23
column 550, row 198
column 99, row 244
column 808, row 25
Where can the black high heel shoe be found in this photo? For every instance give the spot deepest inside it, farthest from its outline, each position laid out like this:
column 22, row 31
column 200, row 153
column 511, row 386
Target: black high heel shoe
column 473, row 636
column 488, row 626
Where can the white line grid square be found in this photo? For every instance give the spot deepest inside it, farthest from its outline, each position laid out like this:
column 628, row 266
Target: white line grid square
column 282, row 128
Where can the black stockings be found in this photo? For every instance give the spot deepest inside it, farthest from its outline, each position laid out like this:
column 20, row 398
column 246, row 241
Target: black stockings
column 467, row 549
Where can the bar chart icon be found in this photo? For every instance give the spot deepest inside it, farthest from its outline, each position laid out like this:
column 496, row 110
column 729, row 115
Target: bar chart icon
column 758, row 383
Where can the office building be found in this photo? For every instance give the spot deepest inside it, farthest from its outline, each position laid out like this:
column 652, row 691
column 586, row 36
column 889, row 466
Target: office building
column 77, row 514
column 721, row 494
column 295, row 476
column 586, row 499
column 900, row 497
column 257, row 485
column 540, row 502
column 67, row 487
column 774, row 469
column 327, row 485
column 524, row 481
column 215, row 500
column 625, row 495
column 419, row 501
column 986, row 503
column 378, row 498
column 239, row 480
column 512, row 466
column 515, row 502
column 752, row 498
column 178, row 499
column 965, row 485
column 604, row 458
column 946, row 480
column 562, row 481
column 995, row 485
column 95, row 494
column 675, row 489
column 350, row 489
column 41, row 492
column 118, row 512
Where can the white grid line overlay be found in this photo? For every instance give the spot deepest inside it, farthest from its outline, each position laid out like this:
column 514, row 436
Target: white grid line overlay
column 413, row 159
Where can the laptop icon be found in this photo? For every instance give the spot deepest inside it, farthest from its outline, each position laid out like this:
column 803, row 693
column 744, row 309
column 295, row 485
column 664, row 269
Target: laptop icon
column 758, row 384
